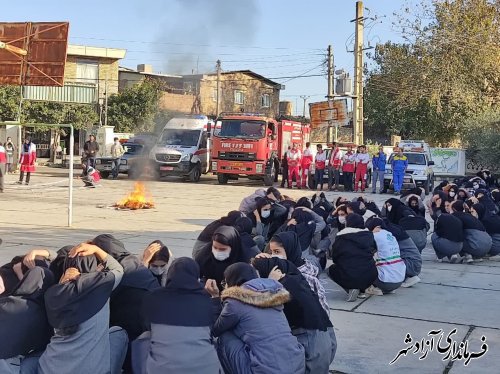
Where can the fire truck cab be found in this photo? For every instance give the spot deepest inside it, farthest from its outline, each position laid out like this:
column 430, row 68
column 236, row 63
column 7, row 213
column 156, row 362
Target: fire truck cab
column 250, row 145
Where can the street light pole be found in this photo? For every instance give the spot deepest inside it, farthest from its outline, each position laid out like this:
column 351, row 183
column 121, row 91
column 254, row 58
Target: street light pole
column 304, row 97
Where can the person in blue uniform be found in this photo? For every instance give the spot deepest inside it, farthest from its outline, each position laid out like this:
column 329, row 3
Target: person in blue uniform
column 399, row 164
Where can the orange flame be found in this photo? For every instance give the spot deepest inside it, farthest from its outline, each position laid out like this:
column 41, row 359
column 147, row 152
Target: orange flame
column 137, row 199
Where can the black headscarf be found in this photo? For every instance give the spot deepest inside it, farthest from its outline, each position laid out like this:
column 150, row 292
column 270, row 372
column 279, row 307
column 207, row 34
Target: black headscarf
column 74, row 302
column 356, row 207
column 469, row 222
column 26, row 146
column 305, row 227
column 396, row 230
column 57, row 265
column 304, row 202
column 416, row 208
column 486, row 200
column 229, row 220
column 355, row 221
column 398, row 210
column 373, row 222
column 290, row 242
column 9, row 276
column 244, row 226
column 23, row 321
column 210, row 268
column 304, row 309
column 490, row 221
column 239, row 273
column 135, row 274
column 183, row 301
column 260, row 203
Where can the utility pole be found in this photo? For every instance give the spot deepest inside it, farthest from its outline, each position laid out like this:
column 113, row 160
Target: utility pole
column 304, row 97
column 330, row 73
column 218, row 68
column 106, row 102
column 358, row 74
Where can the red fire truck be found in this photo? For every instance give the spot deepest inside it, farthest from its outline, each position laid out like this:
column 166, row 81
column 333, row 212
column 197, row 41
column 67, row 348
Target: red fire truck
column 251, row 145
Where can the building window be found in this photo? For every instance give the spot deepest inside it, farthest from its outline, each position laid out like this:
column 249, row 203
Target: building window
column 188, row 87
column 239, row 97
column 265, row 101
column 87, row 72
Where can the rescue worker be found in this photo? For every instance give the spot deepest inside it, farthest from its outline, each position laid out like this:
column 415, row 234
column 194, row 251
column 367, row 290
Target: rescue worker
column 319, row 164
column 305, row 163
column 334, row 165
column 348, row 164
column 362, row 161
column 293, row 156
column 399, row 164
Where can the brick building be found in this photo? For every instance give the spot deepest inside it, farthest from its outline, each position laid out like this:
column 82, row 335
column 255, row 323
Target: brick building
column 241, row 90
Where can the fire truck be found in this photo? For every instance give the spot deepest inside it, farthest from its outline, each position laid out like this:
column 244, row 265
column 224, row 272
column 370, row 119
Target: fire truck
column 251, row 145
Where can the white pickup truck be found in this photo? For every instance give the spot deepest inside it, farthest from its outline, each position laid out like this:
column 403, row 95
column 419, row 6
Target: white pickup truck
column 419, row 166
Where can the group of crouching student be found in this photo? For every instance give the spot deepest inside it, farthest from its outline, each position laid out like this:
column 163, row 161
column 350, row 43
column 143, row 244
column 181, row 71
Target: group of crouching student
column 248, row 301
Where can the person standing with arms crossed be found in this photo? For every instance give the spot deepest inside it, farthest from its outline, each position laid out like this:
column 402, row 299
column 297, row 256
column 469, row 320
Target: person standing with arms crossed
column 362, row 160
column 117, row 152
column 378, row 163
column 334, row 165
column 305, row 163
column 90, row 149
column 399, row 164
column 9, row 152
column 293, row 157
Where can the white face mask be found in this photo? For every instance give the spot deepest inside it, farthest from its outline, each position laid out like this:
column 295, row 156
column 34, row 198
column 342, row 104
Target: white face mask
column 342, row 220
column 475, row 186
column 265, row 213
column 389, row 208
column 221, row 255
column 158, row 270
column 279, row 256
column 452, row 193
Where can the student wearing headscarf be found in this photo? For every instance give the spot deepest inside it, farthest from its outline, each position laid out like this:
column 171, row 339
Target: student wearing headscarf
column 391, row 267
column 205, row 236
column 181, row 315
column 244, row 227
column 126, row 300
column 437, row 204
column 224, row 250
column 452, row 192
column 415, row 203
column 477, row 242
column 409, row 252
column 308, row 320
column 157, row 258
column 495, row 195
column 462, row 194
column 484, row 198
column 78, row 310
column 261, row 220
column 253, row 333
column 353, row 266
column 286, row 246
column 491, row 223
column 23, row 321
column 448, row 237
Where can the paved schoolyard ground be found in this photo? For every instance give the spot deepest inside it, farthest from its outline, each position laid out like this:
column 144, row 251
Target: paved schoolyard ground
column 370, row 332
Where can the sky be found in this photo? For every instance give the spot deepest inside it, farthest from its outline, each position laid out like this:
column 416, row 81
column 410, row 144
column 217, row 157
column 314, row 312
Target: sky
column 280, row 39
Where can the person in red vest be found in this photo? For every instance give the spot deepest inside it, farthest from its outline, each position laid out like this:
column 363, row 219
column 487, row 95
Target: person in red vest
column 348, row 165
column 3, row 162
column 27, row 160
column 334, row 166
column 362, row 161
column 307, row 160
column 320, row 164
column 294, row 158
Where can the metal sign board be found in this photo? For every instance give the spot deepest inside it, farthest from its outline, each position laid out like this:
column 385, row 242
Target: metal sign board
column 44, row 59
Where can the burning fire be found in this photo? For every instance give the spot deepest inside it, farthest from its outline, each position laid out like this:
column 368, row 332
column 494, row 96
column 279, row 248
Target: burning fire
column 137, row 199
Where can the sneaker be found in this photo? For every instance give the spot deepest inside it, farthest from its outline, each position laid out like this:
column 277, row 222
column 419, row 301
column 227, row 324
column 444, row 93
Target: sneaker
column 352, row 295
column 478, row 259
column 374, row 191
column 19, row 182
column 468, row 259
column 495, row 258
column 456, row 259
column 411, row 281
column 27, row 183
column 439, row 260
column 362, row 295
column 372, row 290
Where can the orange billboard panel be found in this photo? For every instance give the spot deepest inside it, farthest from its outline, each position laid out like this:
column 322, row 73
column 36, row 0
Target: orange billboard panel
column 45, row 44
column 324, row 113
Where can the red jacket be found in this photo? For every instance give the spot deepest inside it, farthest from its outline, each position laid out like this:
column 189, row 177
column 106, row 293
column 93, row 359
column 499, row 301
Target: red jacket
column 3, row 156
column 307, row 158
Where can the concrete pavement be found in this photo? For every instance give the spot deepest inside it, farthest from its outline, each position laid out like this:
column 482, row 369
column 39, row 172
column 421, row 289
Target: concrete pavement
column 370, row 332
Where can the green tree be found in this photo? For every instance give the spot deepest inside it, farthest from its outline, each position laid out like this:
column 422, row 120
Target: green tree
column 447, row 71
column 134, row 109
column 9, row 102
column 483, row 139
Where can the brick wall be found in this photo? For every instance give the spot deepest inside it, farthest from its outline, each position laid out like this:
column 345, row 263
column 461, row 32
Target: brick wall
column 177, row 103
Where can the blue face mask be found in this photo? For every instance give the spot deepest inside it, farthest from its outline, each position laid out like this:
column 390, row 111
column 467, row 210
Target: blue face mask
column 265, row 213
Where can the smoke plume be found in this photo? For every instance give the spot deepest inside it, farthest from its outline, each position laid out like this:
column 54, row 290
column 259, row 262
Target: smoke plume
column 196, row 27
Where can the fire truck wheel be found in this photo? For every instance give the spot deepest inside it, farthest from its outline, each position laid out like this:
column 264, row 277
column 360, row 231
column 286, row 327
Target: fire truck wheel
column 222, row 178
column 195, row 174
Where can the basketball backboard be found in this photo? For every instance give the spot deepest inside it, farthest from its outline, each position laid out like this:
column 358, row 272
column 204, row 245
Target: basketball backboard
column 45, row 44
